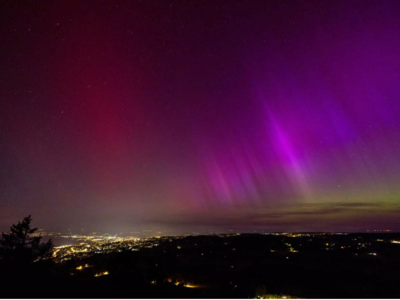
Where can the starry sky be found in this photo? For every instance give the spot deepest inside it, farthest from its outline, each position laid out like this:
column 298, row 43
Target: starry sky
column 200, row 115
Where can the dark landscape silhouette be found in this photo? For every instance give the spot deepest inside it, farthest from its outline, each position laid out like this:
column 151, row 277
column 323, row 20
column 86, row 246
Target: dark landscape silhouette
column 297, row 265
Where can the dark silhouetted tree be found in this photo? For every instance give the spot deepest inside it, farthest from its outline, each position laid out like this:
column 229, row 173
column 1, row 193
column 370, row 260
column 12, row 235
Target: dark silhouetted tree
column 20, row 246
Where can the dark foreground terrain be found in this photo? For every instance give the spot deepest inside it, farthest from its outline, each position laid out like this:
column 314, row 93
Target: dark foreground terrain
column 235, row 266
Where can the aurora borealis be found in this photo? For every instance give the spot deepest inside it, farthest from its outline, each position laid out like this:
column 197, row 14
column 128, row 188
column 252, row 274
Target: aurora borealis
column 200, row 115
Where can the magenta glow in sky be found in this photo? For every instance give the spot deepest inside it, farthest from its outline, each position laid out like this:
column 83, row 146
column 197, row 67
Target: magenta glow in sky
column 276, row 115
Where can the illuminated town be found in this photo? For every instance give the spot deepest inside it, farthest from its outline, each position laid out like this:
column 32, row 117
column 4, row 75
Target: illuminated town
column 89, row 245
column 225, row 264
column 231, row 253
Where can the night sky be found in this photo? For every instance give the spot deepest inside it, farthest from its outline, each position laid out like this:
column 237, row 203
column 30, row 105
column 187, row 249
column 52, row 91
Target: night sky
column 200, row 115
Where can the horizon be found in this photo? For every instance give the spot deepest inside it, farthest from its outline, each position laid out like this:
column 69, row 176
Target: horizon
column 164, row 233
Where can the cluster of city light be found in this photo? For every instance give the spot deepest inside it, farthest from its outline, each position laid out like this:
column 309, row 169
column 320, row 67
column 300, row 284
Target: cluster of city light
column 178, row 283
column 89, row 248
column 112, row 244
column 273, row 296
column 55, row 252
column 186, row 285
column 101, row 274
column 83, row 267
column 96, row 238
